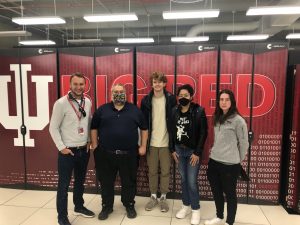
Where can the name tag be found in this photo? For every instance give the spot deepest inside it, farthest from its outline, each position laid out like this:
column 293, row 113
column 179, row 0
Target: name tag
column 80, row 131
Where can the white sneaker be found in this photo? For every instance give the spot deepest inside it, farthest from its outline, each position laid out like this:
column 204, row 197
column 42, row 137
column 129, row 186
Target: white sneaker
column 213, row 221
column 183, row 212
column 195, row 220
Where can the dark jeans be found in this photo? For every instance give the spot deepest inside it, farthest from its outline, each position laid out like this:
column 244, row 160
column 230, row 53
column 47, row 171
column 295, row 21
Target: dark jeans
column 189, row 177
column 107, row 167
column 66, row 165
column 223, row 179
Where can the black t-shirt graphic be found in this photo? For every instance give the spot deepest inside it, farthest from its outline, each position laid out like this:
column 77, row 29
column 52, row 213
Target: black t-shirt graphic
column 183, row 129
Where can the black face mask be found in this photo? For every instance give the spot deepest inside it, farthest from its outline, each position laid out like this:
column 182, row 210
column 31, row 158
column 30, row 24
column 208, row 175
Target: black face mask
column 184, row 101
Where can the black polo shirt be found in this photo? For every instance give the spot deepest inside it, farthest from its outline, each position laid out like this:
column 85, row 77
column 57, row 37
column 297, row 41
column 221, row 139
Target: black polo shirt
column 118, row 129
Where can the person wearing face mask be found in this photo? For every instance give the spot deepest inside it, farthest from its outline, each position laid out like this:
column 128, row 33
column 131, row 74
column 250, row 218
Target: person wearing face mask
column 114, row 140
column 188, row 136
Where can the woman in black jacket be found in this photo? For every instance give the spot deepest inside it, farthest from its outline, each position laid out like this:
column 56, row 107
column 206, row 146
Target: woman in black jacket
column 189, row 132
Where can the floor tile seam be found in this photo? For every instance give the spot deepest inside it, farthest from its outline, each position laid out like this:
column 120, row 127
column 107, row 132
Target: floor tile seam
column 172, row 212
column 30, row 216
column 122, row 219
column 95, row 196
column 264, row 214
column 250, row 223
column 23, row 206
column 13, row 197
column 48, row 202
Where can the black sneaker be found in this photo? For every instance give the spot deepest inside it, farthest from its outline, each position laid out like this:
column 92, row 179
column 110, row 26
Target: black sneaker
column 84, row 212
column 131, row 213
column 64, row 221
column 103, row 215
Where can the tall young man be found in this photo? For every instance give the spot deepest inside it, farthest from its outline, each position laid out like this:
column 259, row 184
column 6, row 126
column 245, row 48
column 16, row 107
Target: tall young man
column 156, row 107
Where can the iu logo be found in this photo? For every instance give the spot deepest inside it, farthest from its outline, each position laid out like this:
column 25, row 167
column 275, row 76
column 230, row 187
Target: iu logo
column 32, row 123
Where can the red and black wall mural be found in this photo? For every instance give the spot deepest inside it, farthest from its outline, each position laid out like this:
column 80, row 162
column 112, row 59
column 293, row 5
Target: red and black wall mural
column 12, row 166
column 79, row 60
column 270, row 62
column 197, row 66
column 290, row 161
column 236, row 66
column 39, row 91
column 148, row 60
column 32, row 79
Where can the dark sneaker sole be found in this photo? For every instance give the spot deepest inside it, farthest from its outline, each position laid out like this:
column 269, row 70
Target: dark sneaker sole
column 109, row 212
column 131, row 217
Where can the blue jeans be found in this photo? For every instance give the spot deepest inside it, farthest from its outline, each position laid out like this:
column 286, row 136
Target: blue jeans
column 66, row 165
column 189, row 176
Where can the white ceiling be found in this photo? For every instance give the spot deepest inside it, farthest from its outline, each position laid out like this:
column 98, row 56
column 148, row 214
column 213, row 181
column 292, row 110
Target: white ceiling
column 160, row 29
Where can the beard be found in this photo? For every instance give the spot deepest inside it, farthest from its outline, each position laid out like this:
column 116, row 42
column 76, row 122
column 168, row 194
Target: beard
column 76, row 94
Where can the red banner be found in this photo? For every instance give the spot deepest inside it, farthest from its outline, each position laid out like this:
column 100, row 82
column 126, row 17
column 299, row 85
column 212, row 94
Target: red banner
column 38, row 68
column 267, row 123
column 73, row 60
column 113, row 65
column 149, row 60
column 293, row 182
column 33, row 74
column 197, row 66
column 12, row 161
column 235, row 74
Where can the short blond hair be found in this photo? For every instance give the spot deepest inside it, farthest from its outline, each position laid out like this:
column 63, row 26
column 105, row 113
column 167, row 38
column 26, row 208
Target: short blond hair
column 160, row 76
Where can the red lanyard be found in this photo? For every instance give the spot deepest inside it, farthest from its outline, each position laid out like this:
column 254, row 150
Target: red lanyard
column 82, row 104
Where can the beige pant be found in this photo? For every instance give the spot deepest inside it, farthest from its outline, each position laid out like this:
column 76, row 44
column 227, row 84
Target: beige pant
column 159, row 156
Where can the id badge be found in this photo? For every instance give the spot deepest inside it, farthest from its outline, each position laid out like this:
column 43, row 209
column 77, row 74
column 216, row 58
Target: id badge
column 80, row 131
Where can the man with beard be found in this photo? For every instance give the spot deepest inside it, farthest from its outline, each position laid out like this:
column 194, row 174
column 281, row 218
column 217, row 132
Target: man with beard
column 114, row 136
column 69, row 129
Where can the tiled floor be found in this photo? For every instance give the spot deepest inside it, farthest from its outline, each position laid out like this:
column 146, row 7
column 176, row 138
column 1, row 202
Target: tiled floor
column 38, row 208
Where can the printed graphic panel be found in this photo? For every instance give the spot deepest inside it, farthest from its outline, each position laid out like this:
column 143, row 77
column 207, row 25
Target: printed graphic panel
column 113, row 65
column 235, row 74
column 73, row 60
column 197, row 66
column 39, row 84
column 267, row 122
column 12, row 161
column 149, row 60
column 293, row 196
column 154, row 59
